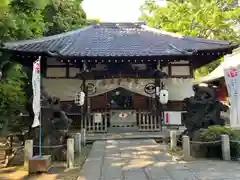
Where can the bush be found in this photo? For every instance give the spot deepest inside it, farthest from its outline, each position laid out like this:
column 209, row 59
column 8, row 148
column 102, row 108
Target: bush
column 213, row 133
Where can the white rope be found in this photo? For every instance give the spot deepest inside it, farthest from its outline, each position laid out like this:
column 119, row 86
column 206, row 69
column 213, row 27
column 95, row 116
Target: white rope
column 55, row 146
column 201, row 142
column 209, row 142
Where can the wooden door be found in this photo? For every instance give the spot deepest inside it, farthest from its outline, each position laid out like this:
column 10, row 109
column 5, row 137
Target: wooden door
column 140, row 101
column 99, row 102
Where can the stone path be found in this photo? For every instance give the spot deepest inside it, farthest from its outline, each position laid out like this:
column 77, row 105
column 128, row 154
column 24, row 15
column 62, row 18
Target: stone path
column 147, row 160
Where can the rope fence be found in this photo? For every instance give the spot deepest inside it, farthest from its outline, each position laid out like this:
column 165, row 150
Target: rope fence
column 225, row 142
column 202, row 142
column 73, row 148
column 235, row 141
column 208, row 142
column 51, row 147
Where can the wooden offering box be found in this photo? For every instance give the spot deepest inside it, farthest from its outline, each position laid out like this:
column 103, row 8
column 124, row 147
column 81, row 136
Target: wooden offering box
column 37, row 164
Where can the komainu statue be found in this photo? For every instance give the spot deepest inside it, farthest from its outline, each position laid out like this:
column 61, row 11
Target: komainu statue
column 55, row 126
column 203, row 109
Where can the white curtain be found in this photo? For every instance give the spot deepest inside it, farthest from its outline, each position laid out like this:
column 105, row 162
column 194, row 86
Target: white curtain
column 103, row 86
column 66, row 89
column 178, row 88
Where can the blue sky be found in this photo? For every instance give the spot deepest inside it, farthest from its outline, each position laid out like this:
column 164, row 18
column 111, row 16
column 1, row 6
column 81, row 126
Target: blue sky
column 114, row 10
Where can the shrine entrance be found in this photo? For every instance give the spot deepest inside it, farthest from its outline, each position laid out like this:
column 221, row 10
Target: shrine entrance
column 122, row 113
column 127, row 111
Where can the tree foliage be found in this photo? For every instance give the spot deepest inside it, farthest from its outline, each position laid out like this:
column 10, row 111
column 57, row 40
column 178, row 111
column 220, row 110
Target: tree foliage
column 12, row 96
column 27, row 19
column 63, row 16
column 208, row 19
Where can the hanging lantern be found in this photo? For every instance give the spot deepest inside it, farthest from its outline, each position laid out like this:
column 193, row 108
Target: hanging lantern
column 157, row 91
column 163, row 97
column 79, row 98
column 103, row 82
column 136, row 81
column 174, row 81
column 119, row 81
column 112, row 81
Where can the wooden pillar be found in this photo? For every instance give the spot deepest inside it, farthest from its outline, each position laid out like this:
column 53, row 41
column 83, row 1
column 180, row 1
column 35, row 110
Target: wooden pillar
column 191, row 68
column 158, row 84
column 43, row 65
column 169, row 70
column 84, row 107
column 159, row 105
column 68, row 70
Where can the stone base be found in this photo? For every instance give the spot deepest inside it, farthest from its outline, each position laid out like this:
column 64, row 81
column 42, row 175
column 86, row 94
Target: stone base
column 37, row 165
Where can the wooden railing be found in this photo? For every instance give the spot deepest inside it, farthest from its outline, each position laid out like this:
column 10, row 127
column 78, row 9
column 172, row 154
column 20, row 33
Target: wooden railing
column 88, row 122
column 148, row 121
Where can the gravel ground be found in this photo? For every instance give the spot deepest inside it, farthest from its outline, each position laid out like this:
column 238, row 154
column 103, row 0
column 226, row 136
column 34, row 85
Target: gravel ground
column 57, row 172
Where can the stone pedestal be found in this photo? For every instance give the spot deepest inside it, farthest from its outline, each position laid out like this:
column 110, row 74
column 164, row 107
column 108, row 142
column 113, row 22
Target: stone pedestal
column 173, row 140
column 186, row 148
column 28, row 153
column 226, row 154
column 70, row 153
column 40, row 165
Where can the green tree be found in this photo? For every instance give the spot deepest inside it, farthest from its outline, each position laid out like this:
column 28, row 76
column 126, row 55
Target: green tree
column 12, row 96
column 63, row 16
column 23, row 20
column 208, row 19
column 4, row 5
column 27, row 19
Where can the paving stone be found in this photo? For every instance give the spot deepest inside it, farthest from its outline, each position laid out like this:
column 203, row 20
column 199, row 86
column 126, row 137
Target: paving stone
column 112, row 173
column 216, row 175
column 173, row 166
column 147, row 160
column 154, row 172
column 135, row 175
column 182, row 175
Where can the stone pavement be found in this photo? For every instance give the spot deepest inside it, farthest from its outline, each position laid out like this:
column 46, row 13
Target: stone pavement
column 147, row 160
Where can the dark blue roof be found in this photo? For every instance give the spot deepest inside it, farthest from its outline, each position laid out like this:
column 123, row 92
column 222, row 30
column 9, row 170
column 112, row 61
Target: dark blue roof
column 116, row 39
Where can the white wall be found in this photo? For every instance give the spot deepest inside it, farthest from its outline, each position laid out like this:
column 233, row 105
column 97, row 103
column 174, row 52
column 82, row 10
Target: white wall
column 66, row 89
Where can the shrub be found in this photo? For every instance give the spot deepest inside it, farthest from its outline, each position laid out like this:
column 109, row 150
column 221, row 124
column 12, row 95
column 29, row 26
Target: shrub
column 213, row 133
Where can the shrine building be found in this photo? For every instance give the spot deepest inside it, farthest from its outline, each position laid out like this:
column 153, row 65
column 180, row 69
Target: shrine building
column 122, row 69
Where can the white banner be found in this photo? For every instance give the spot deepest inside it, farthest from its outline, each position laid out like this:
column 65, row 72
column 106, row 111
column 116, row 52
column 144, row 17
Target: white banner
column 232, row 78
column 36, row 93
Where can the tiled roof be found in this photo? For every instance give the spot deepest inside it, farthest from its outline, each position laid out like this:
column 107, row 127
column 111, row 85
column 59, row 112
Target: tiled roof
column 116, row 39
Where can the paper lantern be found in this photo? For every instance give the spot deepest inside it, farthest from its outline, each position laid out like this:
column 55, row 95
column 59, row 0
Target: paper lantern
column 157, row 91
column 163, row 97
column 80, row 98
